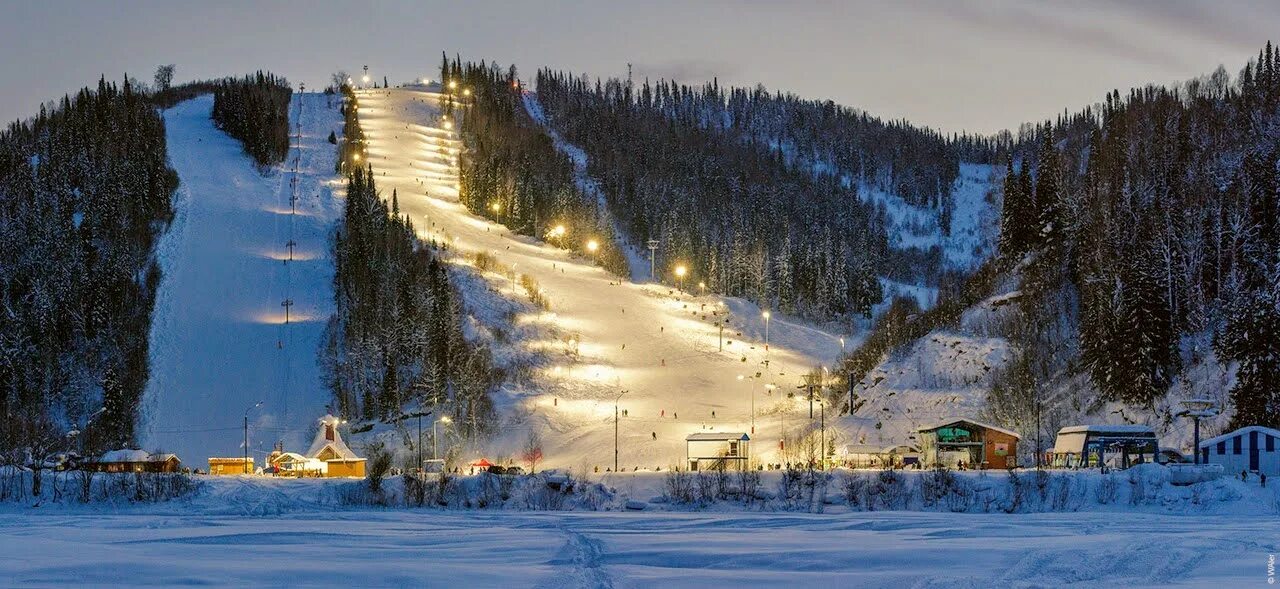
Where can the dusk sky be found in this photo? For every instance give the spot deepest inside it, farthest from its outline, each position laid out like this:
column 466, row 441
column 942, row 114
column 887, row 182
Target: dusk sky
column 981, row 66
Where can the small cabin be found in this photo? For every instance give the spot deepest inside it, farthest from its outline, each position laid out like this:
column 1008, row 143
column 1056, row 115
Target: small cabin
column 230, row 465
column 136, row 461
column 1252, row 448
column 718, row 450
column 1092, row 446
column 328, row 449
column 965, row 443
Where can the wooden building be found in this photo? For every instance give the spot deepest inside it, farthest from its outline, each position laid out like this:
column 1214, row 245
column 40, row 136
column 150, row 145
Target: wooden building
column 329, row 449
column 965, row 443
column 136, row 461
column 231, row 465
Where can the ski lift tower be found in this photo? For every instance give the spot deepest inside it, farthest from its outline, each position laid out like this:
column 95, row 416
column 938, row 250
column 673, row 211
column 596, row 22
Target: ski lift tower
column 1198, row 409
column 653, row 248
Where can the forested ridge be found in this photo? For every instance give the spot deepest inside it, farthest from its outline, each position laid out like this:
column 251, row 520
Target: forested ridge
column 84, row 193
column 512, row 172
column 1144, row 232
column 255, row 110
column 687, row 167
column 395, row 339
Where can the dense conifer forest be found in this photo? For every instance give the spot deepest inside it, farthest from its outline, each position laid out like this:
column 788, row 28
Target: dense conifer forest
column 1145, row 233
column 512, row 172
column 758, row 193
column 395, row 339
column 84, row 193
column 255, row 110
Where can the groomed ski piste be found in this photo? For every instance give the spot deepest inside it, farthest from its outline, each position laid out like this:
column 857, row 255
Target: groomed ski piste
column 651, row 348
column 219, row 342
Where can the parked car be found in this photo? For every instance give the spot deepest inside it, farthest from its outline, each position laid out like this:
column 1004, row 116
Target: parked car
column 515, row 470
column 1171, row 456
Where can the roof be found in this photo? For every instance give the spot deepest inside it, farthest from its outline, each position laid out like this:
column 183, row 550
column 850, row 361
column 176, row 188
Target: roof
column 718, row 437
column 135, row 456
column 1244, row 430
column 482, row 463
column 289, row 457
column 1109, row 429
column 339, row 447
column 955, row 420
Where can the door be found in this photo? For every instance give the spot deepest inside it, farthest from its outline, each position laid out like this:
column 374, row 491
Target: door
column 1253, row 450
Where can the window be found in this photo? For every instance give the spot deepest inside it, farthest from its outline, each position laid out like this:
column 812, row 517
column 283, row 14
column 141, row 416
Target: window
column 1271, row 443
column 1235, row 444
column 1222, row 447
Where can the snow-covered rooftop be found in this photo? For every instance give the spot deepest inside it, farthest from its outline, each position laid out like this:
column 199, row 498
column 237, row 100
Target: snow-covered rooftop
column 1243, row 430
column 1118, row 429
column 955, row 420
column 717, row 436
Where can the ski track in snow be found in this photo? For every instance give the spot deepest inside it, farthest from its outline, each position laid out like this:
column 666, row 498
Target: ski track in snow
column 379, row 548
column 660, row 346
column 218, row 343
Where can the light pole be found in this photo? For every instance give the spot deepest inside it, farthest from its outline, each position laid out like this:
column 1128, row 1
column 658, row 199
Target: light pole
column 615, row 430
column 753, row 401
column 822, row 409
column 702, row 288
column 246, row 435
column 435, row 445
column 592, row 246
column 680, row 272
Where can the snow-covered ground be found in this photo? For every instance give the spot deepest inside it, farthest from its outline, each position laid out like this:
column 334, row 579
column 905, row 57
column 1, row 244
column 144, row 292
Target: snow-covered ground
column 218, row 340
column 593, row 550
column 659, row 346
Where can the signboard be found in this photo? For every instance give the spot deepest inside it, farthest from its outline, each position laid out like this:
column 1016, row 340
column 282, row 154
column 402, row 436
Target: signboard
column 1002, row 449
column 954, row 435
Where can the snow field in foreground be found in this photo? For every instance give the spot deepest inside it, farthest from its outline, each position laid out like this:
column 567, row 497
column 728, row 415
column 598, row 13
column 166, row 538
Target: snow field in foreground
column 519, row 549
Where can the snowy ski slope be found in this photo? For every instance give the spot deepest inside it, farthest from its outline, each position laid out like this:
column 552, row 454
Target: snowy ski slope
column 218, row 340
column 659, row 346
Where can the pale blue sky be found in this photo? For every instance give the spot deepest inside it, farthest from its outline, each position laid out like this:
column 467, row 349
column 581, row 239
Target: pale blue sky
column 977, row 65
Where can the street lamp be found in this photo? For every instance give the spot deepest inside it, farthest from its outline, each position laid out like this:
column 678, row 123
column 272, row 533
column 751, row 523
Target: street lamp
column 680, row 272
column 592, row 246
column 753, row 401
column 615, row 429
column 702, row 287
column 246, row 435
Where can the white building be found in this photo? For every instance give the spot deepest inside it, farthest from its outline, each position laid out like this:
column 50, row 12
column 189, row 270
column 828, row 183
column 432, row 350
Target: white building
column 713, row 450
column 1253, row 448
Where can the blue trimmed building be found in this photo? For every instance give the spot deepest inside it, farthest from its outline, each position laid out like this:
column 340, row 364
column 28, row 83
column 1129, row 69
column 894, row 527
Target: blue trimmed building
column 1254, row 448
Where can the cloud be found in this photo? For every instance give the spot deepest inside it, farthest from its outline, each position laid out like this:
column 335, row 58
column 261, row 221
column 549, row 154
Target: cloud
column 1097, row 28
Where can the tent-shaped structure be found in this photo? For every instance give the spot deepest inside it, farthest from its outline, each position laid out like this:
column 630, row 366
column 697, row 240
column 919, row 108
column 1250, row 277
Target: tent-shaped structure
column 329, row 448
